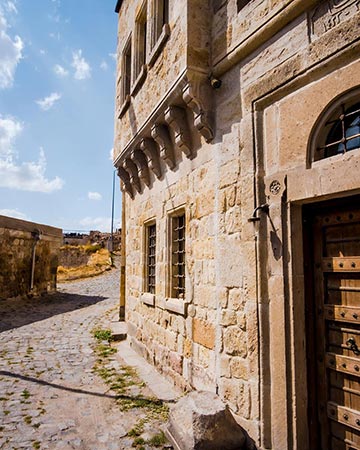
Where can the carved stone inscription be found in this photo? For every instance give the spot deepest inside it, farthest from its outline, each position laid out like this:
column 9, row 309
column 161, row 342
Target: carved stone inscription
column 331, row 13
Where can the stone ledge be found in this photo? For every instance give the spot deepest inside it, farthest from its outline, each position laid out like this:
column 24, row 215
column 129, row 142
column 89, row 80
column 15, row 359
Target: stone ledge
column 147, row 298
column 175, row 305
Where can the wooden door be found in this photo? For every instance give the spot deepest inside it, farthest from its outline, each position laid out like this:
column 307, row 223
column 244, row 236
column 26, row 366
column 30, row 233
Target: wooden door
column 334, row 346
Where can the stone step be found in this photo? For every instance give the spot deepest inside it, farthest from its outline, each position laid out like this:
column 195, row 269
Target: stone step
column 118, row 330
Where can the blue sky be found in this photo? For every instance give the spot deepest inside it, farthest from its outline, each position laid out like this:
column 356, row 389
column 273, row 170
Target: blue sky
column 57, row 82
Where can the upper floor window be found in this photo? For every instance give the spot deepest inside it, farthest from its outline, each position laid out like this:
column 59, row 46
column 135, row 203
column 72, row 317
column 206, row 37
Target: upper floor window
column 338, row 131
column 160, row 17
column 241, row 4
column 177, row 276
column 126, row 72
column 140, row 41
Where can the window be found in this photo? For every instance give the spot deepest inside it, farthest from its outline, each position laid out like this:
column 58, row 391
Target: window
column 161, row 17
column 338, row 131
column 150, row 266
column 140, row 41
column 241, row 4
column 126, row 71
column 160, row 29
column 177, row 276
column 344, row 134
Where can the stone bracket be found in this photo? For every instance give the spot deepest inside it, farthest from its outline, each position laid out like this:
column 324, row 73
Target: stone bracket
column 197, row 95
column 176, row 119
column 132, row 169
column 140, row 160
column 125, row 178
column 148, row 146
column 162, row 137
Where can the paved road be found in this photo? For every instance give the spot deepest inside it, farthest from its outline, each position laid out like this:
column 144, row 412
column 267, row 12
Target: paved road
column 50, row 397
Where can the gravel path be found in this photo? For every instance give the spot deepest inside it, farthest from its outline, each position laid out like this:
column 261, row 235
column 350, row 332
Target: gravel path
column 50, row 395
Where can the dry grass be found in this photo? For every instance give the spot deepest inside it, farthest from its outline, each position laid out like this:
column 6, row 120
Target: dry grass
column 98, row 263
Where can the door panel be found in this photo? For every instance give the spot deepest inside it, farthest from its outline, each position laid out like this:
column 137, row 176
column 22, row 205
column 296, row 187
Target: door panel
column 336, row 339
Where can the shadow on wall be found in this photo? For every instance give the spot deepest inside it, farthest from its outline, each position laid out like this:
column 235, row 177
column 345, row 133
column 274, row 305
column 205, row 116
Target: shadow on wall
column 18, row 313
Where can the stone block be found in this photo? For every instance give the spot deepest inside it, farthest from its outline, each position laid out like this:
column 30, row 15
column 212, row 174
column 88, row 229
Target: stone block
column 176, row 362
column 235, row 342
column 201, row 421
column 236, row 299
column 239, row 368
column 228, row 317
column 204, row 333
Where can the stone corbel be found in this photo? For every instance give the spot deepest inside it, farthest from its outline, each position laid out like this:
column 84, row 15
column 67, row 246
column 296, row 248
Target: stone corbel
column 125, row 178
column 148, row 146
column 161, row 135
column 139, row 158
column 198, row 96
column 176, row 118
column 132, row 169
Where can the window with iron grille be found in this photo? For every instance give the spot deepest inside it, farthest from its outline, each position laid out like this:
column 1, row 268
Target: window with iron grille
column 178, row 256
column 150, row 258
column 341, row 132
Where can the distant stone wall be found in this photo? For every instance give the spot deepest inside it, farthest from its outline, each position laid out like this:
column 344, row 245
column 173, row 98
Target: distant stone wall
column 74, row 256
column 28, row 257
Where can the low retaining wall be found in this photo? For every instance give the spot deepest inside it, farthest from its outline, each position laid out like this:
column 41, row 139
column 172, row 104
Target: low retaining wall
column 28, row 257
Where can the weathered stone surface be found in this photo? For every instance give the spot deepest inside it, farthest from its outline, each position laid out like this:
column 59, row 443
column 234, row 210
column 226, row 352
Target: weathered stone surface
column 22, row 245
column 201, row 421
column 204, row 333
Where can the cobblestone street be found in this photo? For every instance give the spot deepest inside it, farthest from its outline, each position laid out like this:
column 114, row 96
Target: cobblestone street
column 50, row 395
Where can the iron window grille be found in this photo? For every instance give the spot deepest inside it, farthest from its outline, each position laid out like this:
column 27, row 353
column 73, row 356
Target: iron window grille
column 343, row 132
column 151, row 258
column 178, row 256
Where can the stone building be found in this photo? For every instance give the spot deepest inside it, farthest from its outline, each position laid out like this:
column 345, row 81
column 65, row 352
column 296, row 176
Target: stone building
column 29, row 255
column 237, row 142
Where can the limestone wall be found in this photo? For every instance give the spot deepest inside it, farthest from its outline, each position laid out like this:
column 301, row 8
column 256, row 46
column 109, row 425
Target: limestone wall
column 18, row 238
column 240, row 331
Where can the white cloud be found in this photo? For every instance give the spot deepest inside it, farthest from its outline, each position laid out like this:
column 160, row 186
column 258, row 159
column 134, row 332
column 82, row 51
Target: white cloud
column 42, row 52
column 60, row 71
column 10, row 54
column 81, row 66
column 94, row 196
column 111, row 154
column 48, row 102
column 14, row 213
column 56, row 36
column 99, row 223
column 104, row 65
column 11, row 7
column 113, row 56
column 26, row 176
column 10, row 128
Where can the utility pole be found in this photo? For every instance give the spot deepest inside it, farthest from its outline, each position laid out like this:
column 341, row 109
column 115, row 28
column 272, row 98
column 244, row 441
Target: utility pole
column 112, row 214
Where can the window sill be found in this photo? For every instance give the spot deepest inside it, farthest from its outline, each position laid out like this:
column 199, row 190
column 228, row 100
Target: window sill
column 175, row 305
column 139, row 80
column 124, row 106
column 159, row 44
column 147, row 298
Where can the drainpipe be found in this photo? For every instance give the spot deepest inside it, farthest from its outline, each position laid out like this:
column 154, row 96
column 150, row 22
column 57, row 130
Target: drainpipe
column 36, row 236
column 123, row 261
